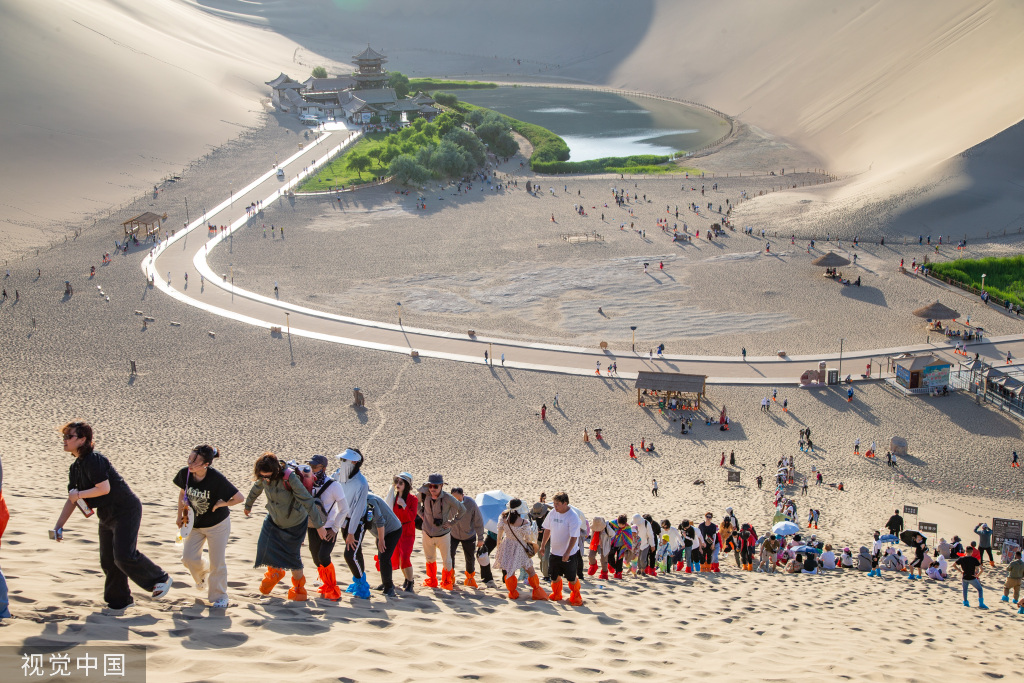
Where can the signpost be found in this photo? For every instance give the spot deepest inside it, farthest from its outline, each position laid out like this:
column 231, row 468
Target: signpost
column 734, row 477
column 910, row 509
column 1006, row 528
column 928, row 528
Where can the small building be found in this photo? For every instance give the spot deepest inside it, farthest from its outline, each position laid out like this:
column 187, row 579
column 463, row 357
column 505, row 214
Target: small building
column 922, row 372
column 660, row 388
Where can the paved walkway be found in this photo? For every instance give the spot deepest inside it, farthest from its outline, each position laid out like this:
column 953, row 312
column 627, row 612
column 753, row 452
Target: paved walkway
column 186, row 251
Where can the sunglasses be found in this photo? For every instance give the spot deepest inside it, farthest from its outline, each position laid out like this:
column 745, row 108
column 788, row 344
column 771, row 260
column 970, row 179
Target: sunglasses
column 433, row 486
column 69, row 437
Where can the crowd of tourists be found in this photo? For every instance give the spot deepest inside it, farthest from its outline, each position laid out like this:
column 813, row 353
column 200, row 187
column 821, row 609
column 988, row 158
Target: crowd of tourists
column 307, row 505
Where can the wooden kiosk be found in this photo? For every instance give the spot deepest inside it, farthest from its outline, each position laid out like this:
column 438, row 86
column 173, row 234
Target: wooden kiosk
column 659, row 388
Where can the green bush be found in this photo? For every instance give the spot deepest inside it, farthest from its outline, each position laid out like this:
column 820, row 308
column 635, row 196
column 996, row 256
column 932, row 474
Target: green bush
column 429, row 84
column 1004, row 277
column 319, row 72
column 445, row 99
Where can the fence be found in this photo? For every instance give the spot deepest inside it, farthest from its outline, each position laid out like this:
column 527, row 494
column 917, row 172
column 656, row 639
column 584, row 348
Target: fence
column 974, row 383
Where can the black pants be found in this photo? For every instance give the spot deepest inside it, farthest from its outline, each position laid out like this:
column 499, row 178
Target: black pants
column 615, row 560
column 354, row 558
column 567, row 568
column 390, row 544
column 319, row 549
column 981, row 554
column 490, row 543
column 468, row 548
column 120, row 559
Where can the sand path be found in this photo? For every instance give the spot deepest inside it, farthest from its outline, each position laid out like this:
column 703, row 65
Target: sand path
column 218, row 295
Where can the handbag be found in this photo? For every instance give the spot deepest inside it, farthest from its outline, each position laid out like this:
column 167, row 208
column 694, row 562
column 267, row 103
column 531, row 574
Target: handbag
column 531, row 551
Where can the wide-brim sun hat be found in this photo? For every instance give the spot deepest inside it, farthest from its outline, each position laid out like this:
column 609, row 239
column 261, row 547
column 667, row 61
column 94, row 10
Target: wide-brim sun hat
column 349, row 454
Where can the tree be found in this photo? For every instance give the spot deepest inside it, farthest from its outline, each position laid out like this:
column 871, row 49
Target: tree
column 376, row 152
column 475, row 118
column 319, row 72
column 407, row 172
column 505, row 145
column 447, row 121
column 445, row 99
column 450, row 160
column 417, row 123
column 388, row 154
column 419, row 139
column 400, row 82
column 429, row 129
column 359, row 163
column 375, row 119
column 469, row 142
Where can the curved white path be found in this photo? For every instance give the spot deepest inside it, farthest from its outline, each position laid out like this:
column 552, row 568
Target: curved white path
column 180, row 254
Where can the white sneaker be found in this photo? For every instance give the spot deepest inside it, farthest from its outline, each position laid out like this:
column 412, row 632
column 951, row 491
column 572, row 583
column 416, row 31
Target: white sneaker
column 220, row 604
column 162, row 589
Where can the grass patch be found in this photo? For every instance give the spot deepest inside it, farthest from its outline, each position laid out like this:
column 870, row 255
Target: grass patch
column 1004, row 277
column 429, row 84
column 338, row 173
column 551, row 154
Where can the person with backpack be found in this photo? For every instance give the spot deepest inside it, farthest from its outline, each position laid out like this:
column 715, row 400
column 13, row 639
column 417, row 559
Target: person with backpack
column 439, row 511
column 289, row 505
column 356, row 488
column 404, row 504
column 984, row 543
column 330, row 498
column 387, row 529
column 469, row 533
column 205, row 497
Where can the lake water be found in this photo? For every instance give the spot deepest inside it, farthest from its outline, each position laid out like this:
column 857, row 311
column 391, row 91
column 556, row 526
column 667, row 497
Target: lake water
column 603, row 124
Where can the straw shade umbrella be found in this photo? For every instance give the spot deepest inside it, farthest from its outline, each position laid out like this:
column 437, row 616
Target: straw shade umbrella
column 937, row 311
column 831, row 260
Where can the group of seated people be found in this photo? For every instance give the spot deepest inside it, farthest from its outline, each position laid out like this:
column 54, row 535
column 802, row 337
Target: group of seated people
column 832, row 273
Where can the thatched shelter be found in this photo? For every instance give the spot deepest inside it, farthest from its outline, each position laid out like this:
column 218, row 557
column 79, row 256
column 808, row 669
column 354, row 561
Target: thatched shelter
column 662, row 387
column 149, row 220
column 831, row 260
column 937, row 311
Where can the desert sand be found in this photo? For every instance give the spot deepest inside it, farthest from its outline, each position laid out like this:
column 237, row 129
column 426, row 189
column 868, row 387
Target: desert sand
column 908, row 107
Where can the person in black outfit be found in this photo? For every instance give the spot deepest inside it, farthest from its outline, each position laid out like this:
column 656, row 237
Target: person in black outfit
column 895, row 523
column 94, row 481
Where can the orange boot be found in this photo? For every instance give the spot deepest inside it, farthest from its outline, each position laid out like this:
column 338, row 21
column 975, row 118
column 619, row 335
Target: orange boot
column 330, row 589
column 538, row 592
column 511, row 582
column 271, row 579
column 448, row 579
column 298, row 590
column 470, row 581
column 431, row 580
column 575, row 599
column 556, row 590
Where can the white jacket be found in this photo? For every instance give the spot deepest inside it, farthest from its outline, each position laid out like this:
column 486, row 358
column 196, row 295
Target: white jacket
column 675, row 539
column 333, row 499
column 644, row 532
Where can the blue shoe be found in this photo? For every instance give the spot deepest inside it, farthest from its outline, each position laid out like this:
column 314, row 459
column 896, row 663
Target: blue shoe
column 363, row 589
column 1005, row 598
column 1021, row 610
column 353, row 587
column 982, row 605
column 911, row 577
column 966, row 604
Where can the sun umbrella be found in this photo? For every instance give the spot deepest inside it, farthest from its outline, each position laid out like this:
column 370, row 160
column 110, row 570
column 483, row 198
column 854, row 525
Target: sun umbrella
column 805, row 549
column 831, row 260
column 786, row 529
column 937, row 311
column 888, row 538
column 909, row 537
column 492, row 504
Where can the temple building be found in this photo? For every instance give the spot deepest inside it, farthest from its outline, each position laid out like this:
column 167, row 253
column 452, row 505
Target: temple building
column 357, row 97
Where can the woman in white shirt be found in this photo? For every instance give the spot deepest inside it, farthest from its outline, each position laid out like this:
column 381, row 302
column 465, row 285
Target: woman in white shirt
column 828, row 558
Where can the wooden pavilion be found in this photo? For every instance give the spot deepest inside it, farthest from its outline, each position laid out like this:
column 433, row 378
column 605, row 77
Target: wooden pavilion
column 661, row 387
column 149, row 220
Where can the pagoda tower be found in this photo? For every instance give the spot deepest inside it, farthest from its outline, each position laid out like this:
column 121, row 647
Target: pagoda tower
column 370, row 73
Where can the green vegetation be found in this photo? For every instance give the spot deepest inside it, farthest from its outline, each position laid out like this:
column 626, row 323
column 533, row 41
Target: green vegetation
column 414, row 154
column 1004, row 277
column 400, row 82
column 319, row 72
column 430, row 84
column 551, row 154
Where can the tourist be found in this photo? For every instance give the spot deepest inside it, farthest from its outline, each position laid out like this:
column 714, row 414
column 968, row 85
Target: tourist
column 5, row 612
column 810, row 565
column 624, row 540
column 769, row 556
column 984, row 543
column 562, row 529
column 710, row 547
column 919, row 556
column 94, row 484
column 330, row 498
column 895, row 523
column 289, row 506
column 205, row 496
column 645, row 538
column 387, row 529
column 795, row 565
column 971, row 570
column 828, row 558
column 675, row 541
column 469, row 528
column 353, row 483
column 600, row 542
column 1015, row 573
column 404, row 504
column 654, row 487
column 514, row 551
column 439, row 510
